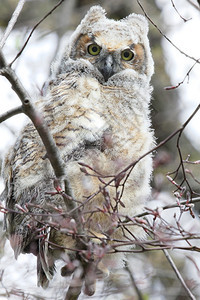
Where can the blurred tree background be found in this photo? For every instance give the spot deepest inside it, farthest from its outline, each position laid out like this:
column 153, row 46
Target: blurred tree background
column 165, row 120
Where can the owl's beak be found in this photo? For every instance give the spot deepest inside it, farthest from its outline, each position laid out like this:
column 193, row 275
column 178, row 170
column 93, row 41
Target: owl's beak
column 107, row 67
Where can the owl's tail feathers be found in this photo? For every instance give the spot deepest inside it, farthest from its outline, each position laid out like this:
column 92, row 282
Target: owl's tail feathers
column 44, row 276
column 45, row 264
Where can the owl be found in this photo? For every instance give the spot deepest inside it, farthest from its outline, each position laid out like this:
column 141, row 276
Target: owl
column 96, row 106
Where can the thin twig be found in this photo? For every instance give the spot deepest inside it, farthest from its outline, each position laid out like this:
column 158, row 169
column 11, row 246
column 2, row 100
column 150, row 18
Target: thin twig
column 185, row 20
column 125, row 221
column 180, row 278
column 11, row 113
column 139, row 294
column 12, row 22
column 172, row 43
column 194, row 5
column 175, row 205
column 181, row 82
column 27, row 40
column 182, row 164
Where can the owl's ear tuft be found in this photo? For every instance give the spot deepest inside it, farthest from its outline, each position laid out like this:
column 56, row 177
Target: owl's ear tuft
column 139, row 20
column 94, row 14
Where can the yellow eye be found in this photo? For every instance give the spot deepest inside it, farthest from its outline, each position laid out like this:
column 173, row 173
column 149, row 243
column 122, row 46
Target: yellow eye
column 127, row 54
column 94, row 49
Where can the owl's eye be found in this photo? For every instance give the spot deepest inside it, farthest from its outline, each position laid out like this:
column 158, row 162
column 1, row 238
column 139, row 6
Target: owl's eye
column 127, row 54
column 94, row 49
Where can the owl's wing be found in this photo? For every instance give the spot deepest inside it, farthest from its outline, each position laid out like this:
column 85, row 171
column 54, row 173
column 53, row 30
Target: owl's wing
column 22, row 228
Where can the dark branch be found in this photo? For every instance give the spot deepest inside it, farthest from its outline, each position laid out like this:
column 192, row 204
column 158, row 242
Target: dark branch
column 48, row 14
column 182, row 52
column 194, row 5
column 185, row 20
column 181, row 82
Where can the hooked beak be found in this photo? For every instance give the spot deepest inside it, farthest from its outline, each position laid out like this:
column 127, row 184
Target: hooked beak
column 107, row 67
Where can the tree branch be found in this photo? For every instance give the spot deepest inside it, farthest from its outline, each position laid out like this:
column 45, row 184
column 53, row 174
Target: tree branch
column 27, row 40
column 185, row 20
column 12, row 22
column 11, row 113
column 181, row 82
column 139, row 294
column 194, row 5
column 180, row 278
column 172, row 43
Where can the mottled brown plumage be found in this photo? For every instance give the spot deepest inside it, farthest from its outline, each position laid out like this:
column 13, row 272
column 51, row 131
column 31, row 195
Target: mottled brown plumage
column 97, row 109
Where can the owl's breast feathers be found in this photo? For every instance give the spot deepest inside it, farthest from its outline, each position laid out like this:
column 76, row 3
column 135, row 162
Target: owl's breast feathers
column 86, row 111
column 84, row 117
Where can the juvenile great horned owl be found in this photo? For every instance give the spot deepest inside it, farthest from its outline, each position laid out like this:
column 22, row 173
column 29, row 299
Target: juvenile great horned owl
column 97, row 109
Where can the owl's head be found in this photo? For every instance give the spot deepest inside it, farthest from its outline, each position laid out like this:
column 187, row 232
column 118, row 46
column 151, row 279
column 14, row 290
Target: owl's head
column 112, row 46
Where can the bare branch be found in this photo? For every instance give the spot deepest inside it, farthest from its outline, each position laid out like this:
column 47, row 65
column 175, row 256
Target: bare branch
column 183, row 202
column 139, row 294
column 27, row 40
column 194, row 5
column 11, row 113
column 12, row 22
column 185, row 20
column 126, row 220
column 180, row 278
column 181, row 82
column 172, row 43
